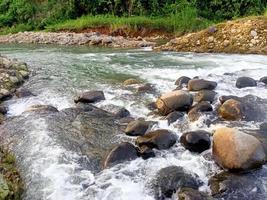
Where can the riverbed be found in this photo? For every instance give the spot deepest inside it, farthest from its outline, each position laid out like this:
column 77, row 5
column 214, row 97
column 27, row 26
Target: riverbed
column 59, row 73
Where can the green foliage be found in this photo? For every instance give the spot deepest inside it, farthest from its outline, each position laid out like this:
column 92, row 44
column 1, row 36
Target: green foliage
column 17, row 15
column 227, row 9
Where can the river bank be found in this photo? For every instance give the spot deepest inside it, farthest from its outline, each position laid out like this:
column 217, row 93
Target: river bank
column 246, row 36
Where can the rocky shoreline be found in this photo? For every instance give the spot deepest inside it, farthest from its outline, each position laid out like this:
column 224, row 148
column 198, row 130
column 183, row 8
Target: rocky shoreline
column 70, row 38
column 247, row 36
column 12, row 74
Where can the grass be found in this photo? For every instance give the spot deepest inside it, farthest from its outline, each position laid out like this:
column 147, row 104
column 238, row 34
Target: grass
column 175, row 23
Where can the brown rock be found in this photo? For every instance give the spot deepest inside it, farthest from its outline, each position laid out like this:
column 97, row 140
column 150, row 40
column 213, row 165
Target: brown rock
column 130, row 81
column 176, row 100
column 201, row 84
column 235, row 150
column 231, row 110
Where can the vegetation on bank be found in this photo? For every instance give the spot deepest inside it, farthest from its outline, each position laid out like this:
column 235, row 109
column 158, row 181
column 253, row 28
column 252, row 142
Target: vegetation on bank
column 11, row 186
column 169, row 15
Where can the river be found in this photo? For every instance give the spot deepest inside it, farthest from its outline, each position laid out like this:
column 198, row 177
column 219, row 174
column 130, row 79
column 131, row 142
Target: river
column 59, row 73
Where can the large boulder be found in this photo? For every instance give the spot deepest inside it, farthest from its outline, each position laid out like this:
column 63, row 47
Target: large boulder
column 137, row 127
column 243, row 82
column 177, row 100
column 201, row 84
column 41, row 108
column 196, row 141
column 182, row 81
column 90, row 97
column 159, row 139
column 123, row 152
column 235, row 150
column 205, row 95
column 199, row 108
column 171, row 179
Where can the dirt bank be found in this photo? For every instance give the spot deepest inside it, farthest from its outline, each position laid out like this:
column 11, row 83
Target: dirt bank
column 248, row 35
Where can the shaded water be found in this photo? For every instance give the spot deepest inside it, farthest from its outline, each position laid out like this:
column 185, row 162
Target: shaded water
column 59, row 73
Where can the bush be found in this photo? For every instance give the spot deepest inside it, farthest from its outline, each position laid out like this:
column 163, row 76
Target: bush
column 227, row 9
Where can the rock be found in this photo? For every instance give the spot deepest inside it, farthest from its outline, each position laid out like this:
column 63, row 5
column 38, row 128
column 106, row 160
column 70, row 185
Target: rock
column 223, row 99
column 232, row 110
column 41, row 108
column 201, row 84
column 117, row 111
column 263, row 128
column 159, row 139
column 2, row 118
column 137, row 127
column 123, row 152
column 253, row 33
column 171, row 179
column 235, row 150
column 146, row 152
column 182, row 81
column 23, row 92
column 264, row 80
column 245, row 186
column 125, row 120
column 192, row 194
column 205, row 95
column 174, row 101
column 146, row 88
column 130, row 81
column 196, row 141
column 174, row 116
column 152, row 106
column 243, row 82
column 3, row 110
column 90, row 97
column 196, row 111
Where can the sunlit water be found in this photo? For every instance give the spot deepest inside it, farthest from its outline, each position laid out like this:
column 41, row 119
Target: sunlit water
column 60, row 73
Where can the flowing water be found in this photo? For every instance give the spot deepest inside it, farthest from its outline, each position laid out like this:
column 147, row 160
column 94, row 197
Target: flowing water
column 59, row 73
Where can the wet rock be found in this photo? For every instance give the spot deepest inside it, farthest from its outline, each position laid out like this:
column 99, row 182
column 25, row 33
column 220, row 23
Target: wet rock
column 196, row 141
column 137, row 127
column 171, row 179
column 130, row 81
column 252, row 108
column 3, row 110
column 237, row 151
column 159, row 139
column 123, row 152
column 245, row 186
column 117, row 111
column 174, row 101
column 199, row 108
column 90, row 97
column 125, row 120
column 223, row 99
column 243, row 82
column 146, row 152
column 152, row 106
column 23, row 92
column 41, row 108
column 264, row 80
column 263, row 128
column 174, row 116
column 182, row 81
column 205, row 95
column 201, row 84
column 232, row 110
column 192, row 194
column 2, row 118
column 146, row 88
